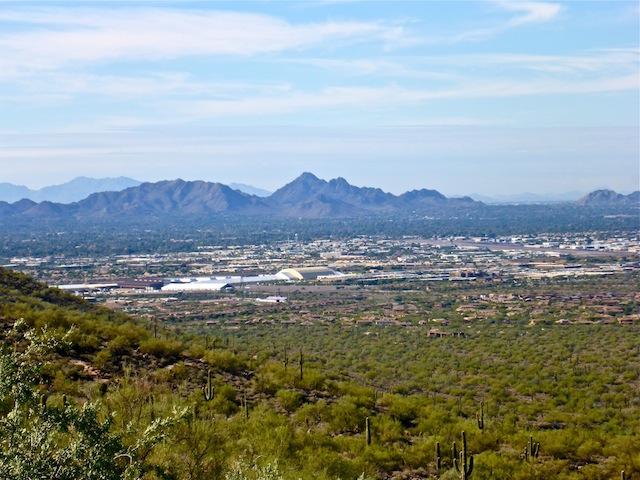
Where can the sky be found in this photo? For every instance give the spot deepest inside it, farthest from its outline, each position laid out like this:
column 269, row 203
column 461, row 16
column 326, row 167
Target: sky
column 485, row 97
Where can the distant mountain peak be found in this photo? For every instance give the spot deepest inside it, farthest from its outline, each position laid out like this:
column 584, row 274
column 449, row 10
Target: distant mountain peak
column 339, row 181
column 251, row 190
column 308, row 176
column 608, row 197
column 69, row 192
column 298, row 190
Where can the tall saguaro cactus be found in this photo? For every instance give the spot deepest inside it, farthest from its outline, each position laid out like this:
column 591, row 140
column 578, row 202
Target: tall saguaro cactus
column 532, row 450
column 438, row 458
column 480, row 417
column 368, row 430
column 463, row 463
column 301, row 365
column 208, row 389
column 285, row 361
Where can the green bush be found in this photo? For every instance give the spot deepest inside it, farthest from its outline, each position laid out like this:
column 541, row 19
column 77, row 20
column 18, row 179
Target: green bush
column 161, row 348
column 289, row 399
column 224, row 361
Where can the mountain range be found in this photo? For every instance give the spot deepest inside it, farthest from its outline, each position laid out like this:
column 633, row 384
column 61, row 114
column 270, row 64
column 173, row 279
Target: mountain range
column 73, row 191
column 306, row 196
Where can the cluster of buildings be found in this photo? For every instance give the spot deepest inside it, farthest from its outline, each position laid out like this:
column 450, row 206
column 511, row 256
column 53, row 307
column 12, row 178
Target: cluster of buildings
column 209, row 283
column 199, row 285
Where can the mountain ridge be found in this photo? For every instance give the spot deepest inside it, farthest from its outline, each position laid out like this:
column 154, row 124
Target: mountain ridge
column 65, row 193
column 609, row 197
column 307, row 196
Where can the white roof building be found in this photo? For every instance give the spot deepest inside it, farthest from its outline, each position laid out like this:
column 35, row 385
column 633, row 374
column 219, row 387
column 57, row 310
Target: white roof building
column 192, row 284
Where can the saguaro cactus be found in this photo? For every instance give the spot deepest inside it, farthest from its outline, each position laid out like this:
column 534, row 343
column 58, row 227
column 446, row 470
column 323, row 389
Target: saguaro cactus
column 438, row 458
column 368, row 430
column 300, row 364
column 208, row 390
column 532, row 450
column 480, row 417
column 454, row 452
column 463, row 464
column 286, row 359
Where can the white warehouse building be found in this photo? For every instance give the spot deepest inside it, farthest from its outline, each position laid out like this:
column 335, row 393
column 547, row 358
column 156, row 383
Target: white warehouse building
column 193, row 284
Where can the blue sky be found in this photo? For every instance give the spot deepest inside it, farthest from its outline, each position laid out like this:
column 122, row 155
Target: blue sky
column 490, row 97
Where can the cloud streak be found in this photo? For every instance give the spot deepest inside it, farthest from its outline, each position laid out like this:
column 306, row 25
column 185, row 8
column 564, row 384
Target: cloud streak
column 526, row 13
column 369, row 98
column 93, row 36
column 531, row 12
column 408, row 81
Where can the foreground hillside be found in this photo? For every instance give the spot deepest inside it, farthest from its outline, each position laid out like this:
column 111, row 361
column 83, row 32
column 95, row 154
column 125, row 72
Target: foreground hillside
column 125, row 398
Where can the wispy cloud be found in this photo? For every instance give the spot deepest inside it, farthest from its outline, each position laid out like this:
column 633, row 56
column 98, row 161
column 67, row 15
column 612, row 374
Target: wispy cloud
column 97, row 78
column 51, row 38
column 451, row 67
column 148, row 100
column 90, row 35
column 525, row 13
column 394, row 96
column 530, row 12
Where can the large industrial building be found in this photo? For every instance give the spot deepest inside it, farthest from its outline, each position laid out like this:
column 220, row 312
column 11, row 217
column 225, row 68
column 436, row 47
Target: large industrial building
column 214, row 283
column 308, row 273
column 220, row 283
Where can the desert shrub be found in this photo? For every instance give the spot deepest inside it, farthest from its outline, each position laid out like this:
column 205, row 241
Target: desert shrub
column 253, row 470
column 224, row 360
column 289, row 399
column 161, row 348
column 125, row 338
column 311, row 414
column 346, row 416
column 385, row 458
column 311, row 380
column 102, row 359
column 403, row 409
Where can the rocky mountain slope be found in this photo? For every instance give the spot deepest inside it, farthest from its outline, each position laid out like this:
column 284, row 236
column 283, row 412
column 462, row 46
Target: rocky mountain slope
column 306, row 196
column 609, row 197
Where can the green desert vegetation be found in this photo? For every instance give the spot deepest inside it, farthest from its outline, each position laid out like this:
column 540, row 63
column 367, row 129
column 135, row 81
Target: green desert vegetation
column 87, row 392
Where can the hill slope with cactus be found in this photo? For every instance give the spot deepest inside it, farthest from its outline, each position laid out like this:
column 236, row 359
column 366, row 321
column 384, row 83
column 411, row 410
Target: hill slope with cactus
column 79, row 382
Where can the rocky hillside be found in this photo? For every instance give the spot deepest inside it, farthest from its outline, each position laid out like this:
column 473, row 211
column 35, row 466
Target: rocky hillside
column 609, row 197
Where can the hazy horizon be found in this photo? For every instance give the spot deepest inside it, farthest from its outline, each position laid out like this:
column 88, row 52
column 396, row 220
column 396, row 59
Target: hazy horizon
column 494, row 197
column 490, row 98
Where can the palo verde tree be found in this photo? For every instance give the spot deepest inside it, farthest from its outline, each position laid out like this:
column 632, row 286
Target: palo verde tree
column 59, row 440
